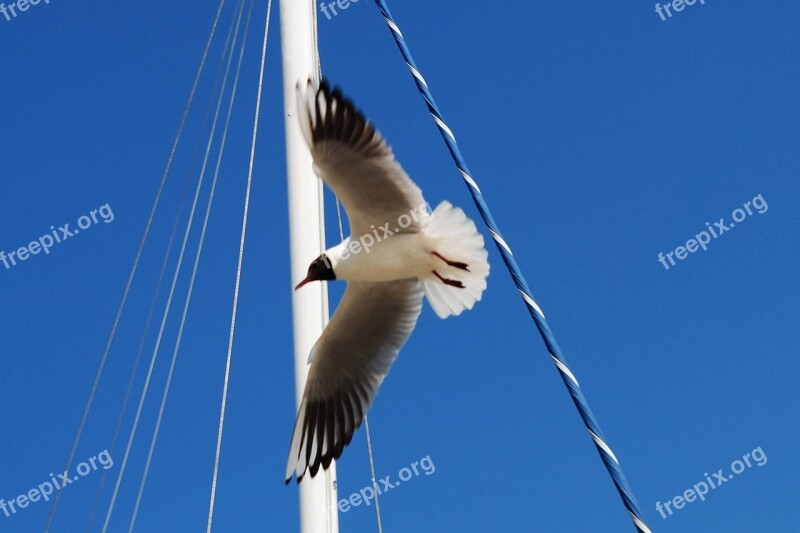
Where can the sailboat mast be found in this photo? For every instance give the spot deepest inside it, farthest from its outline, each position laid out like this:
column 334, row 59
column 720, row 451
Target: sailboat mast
column 318, row 495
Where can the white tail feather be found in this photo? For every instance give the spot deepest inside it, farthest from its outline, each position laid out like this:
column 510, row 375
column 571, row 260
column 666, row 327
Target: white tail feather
column 454, row 236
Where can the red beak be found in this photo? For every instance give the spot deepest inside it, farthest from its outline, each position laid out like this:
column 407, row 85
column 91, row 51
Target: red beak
column 303, row 283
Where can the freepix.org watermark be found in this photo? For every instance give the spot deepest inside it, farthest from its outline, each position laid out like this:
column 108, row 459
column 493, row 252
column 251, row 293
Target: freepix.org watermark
column 13, row 9
column 56, row 236
column 383, row 485
column 676, row 6
column 702, row 239
column 699, row 490
column 56, row 482
column 329, row 8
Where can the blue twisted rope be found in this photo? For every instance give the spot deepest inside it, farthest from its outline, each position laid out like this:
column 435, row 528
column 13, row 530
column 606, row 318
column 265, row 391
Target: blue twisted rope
column 609, row 459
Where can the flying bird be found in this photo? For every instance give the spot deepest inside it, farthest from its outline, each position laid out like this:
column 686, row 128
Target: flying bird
column 397, row 253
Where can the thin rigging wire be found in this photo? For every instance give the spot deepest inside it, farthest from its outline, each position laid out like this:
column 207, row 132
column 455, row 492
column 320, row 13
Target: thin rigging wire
column 339, row 216
column 239, row 270
column 324, row 313
column 194, row 269
column 372, row 472
column 134, row 268
column 367, row 432
column 168, row 305
column 157, row 291
column 317, row 61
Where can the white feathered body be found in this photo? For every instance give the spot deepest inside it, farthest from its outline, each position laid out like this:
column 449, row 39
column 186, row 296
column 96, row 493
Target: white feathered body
column 401, row 256
column 448, row 232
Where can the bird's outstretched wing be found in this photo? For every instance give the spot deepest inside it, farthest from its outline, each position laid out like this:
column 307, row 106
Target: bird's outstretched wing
column 355, row 161
column 349, row 361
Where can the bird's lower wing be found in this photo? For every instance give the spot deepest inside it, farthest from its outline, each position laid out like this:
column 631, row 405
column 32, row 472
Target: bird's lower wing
column 349, row 362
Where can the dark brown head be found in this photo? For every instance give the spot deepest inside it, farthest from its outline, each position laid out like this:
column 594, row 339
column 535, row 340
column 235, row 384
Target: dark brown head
column 319, row 270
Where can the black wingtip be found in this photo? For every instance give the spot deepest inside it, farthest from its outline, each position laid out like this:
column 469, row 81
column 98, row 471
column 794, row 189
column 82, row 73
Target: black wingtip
column 333, row 92
column 325, row 88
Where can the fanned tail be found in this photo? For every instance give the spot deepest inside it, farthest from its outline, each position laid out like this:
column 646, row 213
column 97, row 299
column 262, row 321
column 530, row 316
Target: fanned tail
column 459, row 278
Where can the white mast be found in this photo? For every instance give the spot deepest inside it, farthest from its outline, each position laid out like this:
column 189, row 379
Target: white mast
column 318, row 495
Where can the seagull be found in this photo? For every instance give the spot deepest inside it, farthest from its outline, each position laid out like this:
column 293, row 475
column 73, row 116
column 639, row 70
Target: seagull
column 397, row 254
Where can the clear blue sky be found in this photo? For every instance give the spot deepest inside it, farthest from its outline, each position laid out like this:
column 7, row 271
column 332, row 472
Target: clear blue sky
column 601, row 136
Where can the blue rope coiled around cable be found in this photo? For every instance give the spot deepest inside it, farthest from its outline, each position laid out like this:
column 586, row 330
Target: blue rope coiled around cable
column 609, row 459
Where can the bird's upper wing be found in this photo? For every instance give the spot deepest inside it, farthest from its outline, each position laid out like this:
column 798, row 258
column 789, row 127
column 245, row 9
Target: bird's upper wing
column 349, row 362
column 355, row 161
